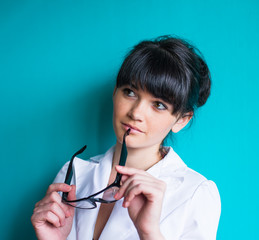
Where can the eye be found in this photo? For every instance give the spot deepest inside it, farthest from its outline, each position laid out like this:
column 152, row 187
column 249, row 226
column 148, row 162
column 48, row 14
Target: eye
column 160, row 106
column 128, row 92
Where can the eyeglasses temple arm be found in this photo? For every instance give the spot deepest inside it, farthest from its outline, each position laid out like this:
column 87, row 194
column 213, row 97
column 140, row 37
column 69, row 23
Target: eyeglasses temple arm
column 123, row 156
column 69, row 175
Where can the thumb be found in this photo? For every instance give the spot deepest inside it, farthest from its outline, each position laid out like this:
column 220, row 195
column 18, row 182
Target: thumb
column 72, row 196
column 72, row 193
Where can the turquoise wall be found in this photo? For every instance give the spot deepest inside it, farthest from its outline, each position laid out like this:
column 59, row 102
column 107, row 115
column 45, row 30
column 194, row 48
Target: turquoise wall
column 58, row 63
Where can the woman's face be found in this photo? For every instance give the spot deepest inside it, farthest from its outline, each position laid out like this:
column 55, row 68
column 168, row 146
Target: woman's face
column 149, row 118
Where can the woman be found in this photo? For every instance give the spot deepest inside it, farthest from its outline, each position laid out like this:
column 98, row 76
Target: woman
column 159, row 86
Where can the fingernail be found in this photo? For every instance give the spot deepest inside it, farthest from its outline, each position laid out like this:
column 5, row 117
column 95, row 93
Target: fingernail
column 67, row 213
column 116, row 196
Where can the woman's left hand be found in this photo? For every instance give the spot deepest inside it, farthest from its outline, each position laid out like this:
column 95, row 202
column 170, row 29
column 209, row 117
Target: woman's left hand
column 143, row 196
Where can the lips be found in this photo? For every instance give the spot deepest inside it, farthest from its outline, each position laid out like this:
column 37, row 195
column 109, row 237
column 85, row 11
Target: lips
column 132, row 127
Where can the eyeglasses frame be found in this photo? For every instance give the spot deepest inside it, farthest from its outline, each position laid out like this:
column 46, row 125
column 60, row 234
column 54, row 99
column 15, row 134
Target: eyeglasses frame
column 116, row 183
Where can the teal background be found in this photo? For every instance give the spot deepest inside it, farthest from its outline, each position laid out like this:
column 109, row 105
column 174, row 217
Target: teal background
column 58, row 63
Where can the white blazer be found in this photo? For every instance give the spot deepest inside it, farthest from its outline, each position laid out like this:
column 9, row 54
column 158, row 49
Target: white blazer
column 191, row 206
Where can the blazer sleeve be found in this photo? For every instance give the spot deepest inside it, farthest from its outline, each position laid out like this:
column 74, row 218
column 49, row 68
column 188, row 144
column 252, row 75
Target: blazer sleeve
column 203, row 213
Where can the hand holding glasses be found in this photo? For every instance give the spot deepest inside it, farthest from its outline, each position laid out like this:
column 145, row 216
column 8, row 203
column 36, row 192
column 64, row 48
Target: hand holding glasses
column 104, row 196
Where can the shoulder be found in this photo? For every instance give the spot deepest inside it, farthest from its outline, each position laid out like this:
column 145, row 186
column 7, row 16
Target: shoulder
column 191, row 200
column 173, row 166
column 203, row 211
column 204, row 186
column 206, row 202
column 186, row 183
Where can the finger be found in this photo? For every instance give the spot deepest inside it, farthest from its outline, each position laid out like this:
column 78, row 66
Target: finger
column 129, row 171
column 45, row 216
column 124, row 178
column 51, row 197
column 120, row 195
column 54, row 208
column 71, row 196
column 137, row 189
column 132, row 180
column 125, row 181
column 58, row 187
column 140, row 190
column 152, row 191
column 72, row 193
column 54, row 197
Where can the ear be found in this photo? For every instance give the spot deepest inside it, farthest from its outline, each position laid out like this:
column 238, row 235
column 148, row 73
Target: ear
column 182, row 122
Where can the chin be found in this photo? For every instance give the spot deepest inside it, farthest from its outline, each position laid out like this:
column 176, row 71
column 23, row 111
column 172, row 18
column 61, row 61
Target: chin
column 132, row 143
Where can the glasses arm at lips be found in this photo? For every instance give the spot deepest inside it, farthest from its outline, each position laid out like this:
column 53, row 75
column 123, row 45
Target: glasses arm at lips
column 92, row 198
column 123, row 158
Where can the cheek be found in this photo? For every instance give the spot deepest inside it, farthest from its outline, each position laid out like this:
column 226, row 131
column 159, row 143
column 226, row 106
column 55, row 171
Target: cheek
column 119, row 113
column 115, row 106
column 162, row 127
column 117, row 110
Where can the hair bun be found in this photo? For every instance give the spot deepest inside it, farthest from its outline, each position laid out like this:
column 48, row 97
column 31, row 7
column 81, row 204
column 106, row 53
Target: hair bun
column 204, row 82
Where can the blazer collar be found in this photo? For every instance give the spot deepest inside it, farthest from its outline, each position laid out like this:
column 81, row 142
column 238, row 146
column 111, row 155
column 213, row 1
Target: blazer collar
column 170, row 170
column 119, row 225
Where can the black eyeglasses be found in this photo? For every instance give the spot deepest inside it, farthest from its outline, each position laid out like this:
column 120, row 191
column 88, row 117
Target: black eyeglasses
column 104, row 196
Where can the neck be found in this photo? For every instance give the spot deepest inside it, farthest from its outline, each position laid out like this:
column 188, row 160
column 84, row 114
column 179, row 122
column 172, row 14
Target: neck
column 140, row 158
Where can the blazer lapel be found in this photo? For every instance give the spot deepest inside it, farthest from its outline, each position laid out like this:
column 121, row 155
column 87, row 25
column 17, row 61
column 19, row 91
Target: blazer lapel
column 119, row 225
column 96, row 179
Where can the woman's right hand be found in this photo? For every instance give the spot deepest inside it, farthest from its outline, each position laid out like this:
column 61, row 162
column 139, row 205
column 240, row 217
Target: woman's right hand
column 52, row 219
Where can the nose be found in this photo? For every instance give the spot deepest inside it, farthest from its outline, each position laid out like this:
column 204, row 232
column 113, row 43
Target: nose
column 137, row 110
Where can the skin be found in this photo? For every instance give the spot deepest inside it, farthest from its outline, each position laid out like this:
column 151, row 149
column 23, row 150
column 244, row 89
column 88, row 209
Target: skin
column 51, row 218
column 143, row 194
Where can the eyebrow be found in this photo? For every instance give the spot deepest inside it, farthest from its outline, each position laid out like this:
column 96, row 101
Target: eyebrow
column 133, row 86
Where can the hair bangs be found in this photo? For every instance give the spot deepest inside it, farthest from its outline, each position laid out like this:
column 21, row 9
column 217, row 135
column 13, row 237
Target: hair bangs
column 156, row 72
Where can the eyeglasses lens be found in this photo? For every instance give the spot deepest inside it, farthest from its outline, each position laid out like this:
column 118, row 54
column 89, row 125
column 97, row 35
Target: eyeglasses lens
column 86, row 204
column 108, row 195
